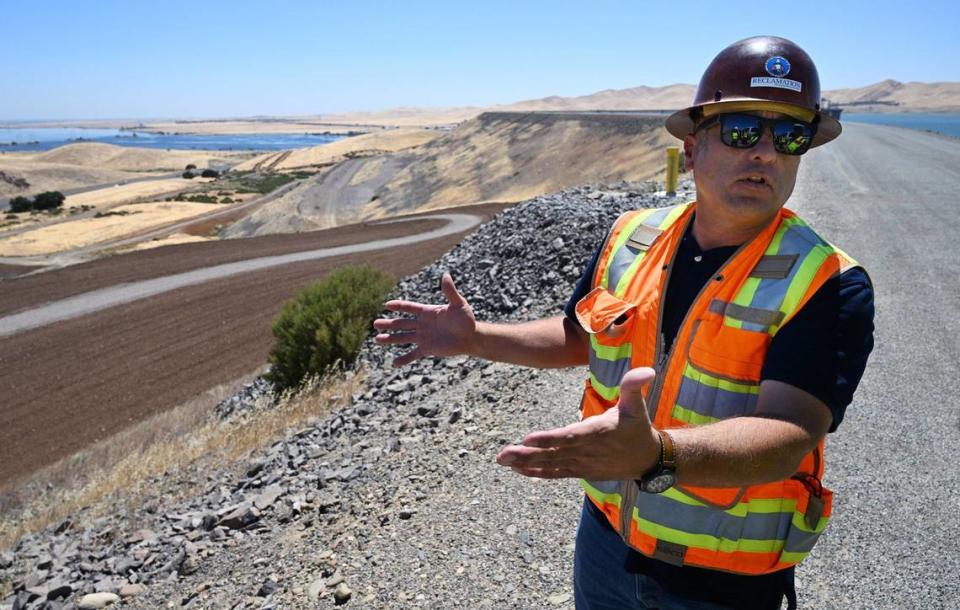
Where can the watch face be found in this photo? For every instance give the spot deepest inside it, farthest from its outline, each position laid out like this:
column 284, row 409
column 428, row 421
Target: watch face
column 660, row 483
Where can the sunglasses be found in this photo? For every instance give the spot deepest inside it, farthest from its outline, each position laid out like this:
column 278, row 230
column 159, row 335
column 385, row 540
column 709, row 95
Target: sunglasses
column 790, row 136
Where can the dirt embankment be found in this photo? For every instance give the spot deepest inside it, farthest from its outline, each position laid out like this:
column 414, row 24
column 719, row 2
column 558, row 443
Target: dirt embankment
column 496, row 157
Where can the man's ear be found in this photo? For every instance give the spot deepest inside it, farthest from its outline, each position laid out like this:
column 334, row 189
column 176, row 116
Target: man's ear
column 689, row 147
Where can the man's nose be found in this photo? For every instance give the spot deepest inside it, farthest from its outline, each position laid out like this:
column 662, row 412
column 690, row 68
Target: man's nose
column 764, row 150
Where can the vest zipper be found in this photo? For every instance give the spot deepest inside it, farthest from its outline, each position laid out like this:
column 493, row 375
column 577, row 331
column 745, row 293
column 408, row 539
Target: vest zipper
column 630, row 489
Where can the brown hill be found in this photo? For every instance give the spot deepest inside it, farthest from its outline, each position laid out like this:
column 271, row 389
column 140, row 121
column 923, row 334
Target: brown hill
column 635, row 98
column 894, row 96
column 494, row 157
column 124, row 158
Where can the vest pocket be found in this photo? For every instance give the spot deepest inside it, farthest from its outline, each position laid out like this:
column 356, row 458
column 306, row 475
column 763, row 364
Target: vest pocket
column 728, row 353
column 602, row 312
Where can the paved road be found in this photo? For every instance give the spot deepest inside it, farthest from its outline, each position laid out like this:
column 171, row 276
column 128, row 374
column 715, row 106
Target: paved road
column 888, row 197
column 98, row 300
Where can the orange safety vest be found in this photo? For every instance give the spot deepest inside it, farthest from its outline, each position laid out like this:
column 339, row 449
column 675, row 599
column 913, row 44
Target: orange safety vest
column 711, row 372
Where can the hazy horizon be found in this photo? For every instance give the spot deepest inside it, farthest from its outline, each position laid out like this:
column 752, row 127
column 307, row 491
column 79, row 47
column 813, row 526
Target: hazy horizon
column 126, row 61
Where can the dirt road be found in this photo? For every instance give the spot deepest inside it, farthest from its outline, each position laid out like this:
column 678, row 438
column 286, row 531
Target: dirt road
column 71, row 383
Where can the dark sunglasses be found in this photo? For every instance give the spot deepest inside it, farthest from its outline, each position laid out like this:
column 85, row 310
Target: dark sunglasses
column 790, row 136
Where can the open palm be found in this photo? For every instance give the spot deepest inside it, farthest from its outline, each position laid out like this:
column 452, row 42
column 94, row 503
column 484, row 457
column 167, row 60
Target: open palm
column 435, row 330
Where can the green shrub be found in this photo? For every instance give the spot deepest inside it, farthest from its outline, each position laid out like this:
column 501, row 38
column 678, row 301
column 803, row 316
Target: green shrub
column 50, row 200
column 20, row 204
column 325, row 325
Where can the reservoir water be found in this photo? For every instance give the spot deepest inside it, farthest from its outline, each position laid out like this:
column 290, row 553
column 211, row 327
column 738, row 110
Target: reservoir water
column 945, row 123
column 40, row 139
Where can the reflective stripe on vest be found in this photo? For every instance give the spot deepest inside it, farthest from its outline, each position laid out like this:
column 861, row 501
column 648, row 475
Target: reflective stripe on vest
column 712, row 375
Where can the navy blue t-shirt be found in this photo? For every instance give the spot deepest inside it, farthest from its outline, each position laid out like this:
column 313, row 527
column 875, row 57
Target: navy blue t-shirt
column 822, row 350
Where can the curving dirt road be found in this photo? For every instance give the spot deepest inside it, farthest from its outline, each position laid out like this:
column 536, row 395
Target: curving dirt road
column 68, row 384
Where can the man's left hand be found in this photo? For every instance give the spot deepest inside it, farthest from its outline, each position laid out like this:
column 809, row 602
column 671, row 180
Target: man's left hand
column 618, row 444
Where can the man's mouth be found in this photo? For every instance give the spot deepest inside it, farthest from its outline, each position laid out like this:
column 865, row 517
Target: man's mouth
column 755, row 179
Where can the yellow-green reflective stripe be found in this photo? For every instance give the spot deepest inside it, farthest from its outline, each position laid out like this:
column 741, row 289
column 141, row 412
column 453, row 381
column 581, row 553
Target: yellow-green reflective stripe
column 788, row 557
column 627, row 277
column 608, row 352
column 596, row 494
column 802, row 279
column 800, row 523
column 744, row 297
column 605, row 391
column 757, row 505
column 714, row 382
column 691, row 417
column 622, row 239
column 705, row 541
column 774, row 246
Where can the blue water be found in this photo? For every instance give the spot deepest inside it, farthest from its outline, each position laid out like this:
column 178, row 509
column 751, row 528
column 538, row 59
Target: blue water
column 944, row 123
column 39, row 139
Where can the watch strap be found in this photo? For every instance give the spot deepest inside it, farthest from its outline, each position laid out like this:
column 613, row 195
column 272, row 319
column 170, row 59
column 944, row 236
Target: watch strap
column 667, row 454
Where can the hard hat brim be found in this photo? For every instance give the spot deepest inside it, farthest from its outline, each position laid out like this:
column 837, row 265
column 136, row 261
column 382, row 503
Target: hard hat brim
column 680, row 124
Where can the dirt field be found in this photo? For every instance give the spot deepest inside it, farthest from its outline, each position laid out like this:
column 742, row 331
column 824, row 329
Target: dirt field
column 73, row 383
column 129, row 219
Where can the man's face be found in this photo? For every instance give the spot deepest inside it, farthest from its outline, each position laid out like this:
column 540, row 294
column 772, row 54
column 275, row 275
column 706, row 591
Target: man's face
column 752, row 183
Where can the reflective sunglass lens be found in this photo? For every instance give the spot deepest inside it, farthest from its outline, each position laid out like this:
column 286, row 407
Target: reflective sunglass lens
column 740, row 131
column 792, row 138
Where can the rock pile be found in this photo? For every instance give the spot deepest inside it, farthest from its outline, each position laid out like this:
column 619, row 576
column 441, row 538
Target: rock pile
column 390, row 502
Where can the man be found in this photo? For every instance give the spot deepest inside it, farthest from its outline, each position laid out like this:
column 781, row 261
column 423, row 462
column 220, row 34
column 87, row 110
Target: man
column 725, row 339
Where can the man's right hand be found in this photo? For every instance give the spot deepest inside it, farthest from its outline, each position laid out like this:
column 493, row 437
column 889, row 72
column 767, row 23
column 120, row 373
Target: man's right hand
column 436, row 330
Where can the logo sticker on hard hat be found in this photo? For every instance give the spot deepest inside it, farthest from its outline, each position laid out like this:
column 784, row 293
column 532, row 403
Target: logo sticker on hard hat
column 778, row 66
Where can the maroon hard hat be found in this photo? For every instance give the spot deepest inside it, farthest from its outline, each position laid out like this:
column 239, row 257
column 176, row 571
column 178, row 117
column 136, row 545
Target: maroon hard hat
column 760, row 73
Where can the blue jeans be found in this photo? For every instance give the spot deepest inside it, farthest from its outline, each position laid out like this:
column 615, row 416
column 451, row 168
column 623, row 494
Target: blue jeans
column 600, row 581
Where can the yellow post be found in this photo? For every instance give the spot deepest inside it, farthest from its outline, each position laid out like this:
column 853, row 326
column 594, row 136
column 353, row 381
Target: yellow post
column 673, row 165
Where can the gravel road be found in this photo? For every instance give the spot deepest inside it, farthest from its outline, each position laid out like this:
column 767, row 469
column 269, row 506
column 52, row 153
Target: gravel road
column 888, row 197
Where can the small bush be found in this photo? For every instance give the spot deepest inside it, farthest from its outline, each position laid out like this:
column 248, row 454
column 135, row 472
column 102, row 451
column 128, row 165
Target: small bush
column 210, row 173
column 50, row 200
column 190, row 167
column 188, row 175
column 20, row 204
column 325, row 325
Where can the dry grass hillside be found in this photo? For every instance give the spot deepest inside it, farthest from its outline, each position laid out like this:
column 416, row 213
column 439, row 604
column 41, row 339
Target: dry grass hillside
column 495, row 157
column 635, row 98
column 386, row 141
column 108, row 156
column 39, row 177
column 90, row 163
column 908, row 97
column 511, row 157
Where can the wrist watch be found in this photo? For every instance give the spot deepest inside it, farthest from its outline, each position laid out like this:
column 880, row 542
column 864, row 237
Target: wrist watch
column 664, row 475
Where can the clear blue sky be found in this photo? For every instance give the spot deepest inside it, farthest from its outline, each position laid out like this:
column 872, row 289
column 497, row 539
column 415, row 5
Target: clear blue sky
column 208, row 58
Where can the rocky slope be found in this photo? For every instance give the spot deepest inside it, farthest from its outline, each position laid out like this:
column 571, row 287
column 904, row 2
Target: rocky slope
column 391, row 502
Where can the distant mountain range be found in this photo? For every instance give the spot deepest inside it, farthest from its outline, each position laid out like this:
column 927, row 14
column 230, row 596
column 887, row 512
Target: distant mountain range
column 888, row 95
column 885, row 96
